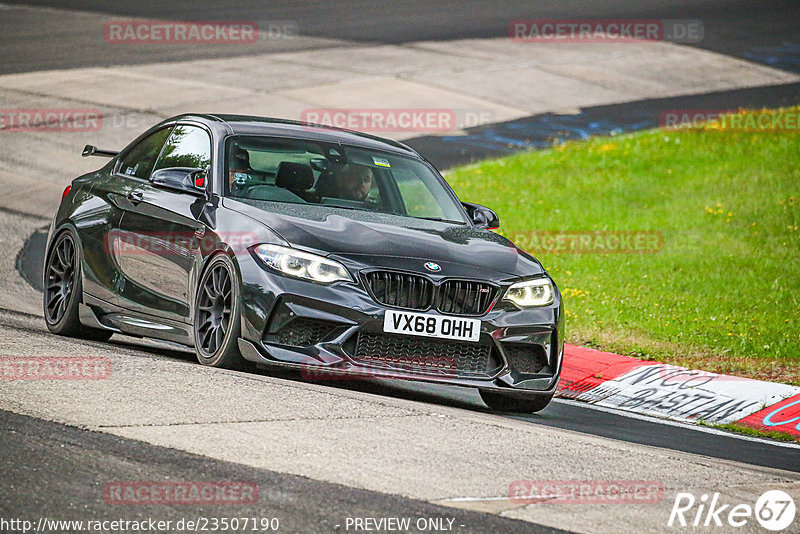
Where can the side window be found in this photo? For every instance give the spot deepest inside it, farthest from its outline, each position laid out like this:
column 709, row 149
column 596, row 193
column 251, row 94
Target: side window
column 188, row 146
column 140, row 159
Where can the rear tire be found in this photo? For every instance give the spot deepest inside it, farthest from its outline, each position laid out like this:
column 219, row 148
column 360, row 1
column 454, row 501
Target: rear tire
column 63, row 291
column 217, row 321
column 503, row 402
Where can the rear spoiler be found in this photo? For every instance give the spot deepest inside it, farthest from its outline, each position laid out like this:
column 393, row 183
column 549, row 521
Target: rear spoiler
column 91, row 150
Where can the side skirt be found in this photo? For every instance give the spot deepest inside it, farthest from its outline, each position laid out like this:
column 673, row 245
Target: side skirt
column 97, row 313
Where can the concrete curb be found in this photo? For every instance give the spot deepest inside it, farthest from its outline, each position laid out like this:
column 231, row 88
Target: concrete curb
column 677, row 393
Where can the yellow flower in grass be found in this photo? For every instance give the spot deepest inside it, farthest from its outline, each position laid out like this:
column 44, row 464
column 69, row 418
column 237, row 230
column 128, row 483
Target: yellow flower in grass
column 608, row 147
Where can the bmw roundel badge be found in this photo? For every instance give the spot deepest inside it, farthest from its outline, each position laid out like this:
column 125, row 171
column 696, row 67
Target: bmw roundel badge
column 435, row 267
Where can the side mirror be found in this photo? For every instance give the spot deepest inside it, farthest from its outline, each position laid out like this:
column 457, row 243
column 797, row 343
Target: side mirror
column 181, row 180
column 482, row 216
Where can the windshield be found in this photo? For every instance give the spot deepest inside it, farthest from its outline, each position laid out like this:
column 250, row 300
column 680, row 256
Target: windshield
column 328, row 174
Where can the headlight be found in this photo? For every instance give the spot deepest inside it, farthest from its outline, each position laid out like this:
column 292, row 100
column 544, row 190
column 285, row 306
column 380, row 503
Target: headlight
column 537, row 292
column 302, row 264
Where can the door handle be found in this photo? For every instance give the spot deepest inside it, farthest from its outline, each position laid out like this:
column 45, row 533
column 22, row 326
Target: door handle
column 135, row 197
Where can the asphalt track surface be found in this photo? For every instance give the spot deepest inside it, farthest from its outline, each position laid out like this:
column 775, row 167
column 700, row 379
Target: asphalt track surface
column 40, row 489
column 540, row 131
column 735, row 27
column 575, row 416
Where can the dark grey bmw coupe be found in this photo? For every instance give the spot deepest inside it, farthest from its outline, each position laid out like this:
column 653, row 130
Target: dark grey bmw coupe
column 297, row 245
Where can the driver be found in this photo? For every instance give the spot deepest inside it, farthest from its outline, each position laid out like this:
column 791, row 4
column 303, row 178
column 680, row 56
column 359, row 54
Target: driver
column 239, row 168
column 354, row 182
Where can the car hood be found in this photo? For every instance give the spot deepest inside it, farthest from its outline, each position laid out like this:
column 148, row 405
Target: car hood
column 385, row 240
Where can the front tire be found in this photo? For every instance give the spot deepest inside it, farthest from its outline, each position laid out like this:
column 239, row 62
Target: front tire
column 503, row 402
column 63, row 291
column 217, row 321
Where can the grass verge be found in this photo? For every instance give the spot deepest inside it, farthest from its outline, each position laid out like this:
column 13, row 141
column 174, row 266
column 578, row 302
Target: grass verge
column 722, row 293
column 755, row 432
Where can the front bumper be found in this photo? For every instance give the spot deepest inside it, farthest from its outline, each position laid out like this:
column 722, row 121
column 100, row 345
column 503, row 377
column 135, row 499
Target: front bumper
column 336, row 331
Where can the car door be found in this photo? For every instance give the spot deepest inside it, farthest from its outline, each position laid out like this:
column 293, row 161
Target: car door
column 98, row 220
column 166, row 228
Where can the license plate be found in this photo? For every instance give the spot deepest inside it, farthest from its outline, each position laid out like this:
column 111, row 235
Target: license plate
column 423, row 324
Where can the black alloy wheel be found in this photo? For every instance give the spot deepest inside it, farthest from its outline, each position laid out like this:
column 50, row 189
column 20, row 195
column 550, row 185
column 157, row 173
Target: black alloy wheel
column 63, row 292
column 60, row 281
column 217, row 322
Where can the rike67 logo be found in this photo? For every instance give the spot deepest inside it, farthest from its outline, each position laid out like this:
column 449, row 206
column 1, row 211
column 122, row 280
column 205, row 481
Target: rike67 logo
column 774, row 510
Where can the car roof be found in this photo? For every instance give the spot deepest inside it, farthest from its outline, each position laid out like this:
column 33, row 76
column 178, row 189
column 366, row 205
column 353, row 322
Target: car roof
column 226, row 124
